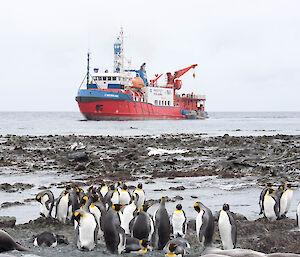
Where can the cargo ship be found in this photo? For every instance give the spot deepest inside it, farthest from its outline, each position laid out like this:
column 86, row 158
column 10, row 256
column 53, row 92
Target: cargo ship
column 126, row 94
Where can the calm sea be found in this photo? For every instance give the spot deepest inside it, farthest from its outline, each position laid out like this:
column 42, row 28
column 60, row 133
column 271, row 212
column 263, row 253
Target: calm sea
column 219, row 123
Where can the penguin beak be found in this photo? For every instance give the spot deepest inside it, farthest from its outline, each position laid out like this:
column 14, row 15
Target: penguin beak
column 38, row 198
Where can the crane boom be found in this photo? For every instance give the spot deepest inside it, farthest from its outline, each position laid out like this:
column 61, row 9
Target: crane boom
column 179, row 73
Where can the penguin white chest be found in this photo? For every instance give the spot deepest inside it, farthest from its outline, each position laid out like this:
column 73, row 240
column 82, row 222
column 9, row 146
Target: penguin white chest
column 178, row 220
column 127, row 217
column 199, row 223
column 43, row 207
column 115, row 197
column 269, row 205
column 225, row 231
column 289, row 199
column 104, row 190
column 283, row 203
column 86, row 236
column 124, row 197
column 62, row 208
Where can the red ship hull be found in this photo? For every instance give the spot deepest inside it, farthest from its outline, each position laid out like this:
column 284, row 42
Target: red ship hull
column 127, row 110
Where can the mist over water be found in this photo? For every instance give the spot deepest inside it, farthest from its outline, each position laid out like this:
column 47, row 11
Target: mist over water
column 219, row 123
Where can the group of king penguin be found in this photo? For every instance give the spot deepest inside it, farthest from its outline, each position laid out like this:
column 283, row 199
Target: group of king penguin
column 121, row 219
column 275, row 204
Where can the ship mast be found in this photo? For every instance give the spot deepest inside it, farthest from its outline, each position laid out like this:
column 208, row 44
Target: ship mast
column 88, row 70
column 119, row 53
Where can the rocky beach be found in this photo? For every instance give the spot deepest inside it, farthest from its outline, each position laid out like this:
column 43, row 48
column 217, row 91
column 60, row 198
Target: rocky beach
column 163, row 163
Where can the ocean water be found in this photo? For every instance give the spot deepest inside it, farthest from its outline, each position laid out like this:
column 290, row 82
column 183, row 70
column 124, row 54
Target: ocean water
column 219, row 123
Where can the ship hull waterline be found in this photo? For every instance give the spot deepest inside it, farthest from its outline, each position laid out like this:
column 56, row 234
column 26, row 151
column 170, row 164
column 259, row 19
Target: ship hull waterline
column 128, row 110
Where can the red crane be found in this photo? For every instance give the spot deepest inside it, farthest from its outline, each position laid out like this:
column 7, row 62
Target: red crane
column 173, row 80
column 154, row 81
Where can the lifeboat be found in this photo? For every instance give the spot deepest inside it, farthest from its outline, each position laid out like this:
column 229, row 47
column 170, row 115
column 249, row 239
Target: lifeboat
column 137, row 83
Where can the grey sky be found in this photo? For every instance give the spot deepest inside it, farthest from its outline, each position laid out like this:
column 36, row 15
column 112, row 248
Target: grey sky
column 248, row 52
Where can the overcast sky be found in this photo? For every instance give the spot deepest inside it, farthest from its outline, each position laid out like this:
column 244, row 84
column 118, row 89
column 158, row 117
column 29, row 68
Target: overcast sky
column 248, row 52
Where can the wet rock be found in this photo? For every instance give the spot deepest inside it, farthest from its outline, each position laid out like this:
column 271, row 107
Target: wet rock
column 80, row 167
column 9, row 204
column 7, row 222
column 78, row 157
column 15, row 187
column 177, row 188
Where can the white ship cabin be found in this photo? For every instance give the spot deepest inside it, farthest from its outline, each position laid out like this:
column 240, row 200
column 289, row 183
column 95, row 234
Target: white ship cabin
column 158, row 96
column 111, row 80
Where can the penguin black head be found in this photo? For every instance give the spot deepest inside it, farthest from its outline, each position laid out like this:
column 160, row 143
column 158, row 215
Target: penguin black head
column 68, row 187
column 94, row 197
column 124, row 187
column 38, row 198
column 90, row 189
column 111, row 187
column 271, row 191
column 117, row 207
column 144, row 243
column 281, row 187
column 269, row 184
column 225, row 207
column 197, row 207
column 140, row 186
column 289, row 185
column 84, row 200
column 77, row 215
column 145, row 207
column 179, row 207
column 119, row 183
column 172, row 247
column 65, row 192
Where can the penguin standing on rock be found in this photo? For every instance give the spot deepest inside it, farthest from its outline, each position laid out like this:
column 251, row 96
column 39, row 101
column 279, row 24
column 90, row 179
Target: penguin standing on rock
column 114, row 234
column 227, row 228
column 128, row 215
column 262, row 195
column 142, row 226
column 179, row 223
column 289, row 192
column 46, row 199
column 62, row 206
column 271, row 205
column 124, row 196
column 86, row 231
column 204, row 224
column 162, row 225
column 141, row 195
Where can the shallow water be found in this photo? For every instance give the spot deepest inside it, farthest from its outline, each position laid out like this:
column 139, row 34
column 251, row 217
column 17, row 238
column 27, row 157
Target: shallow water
column 219, row 123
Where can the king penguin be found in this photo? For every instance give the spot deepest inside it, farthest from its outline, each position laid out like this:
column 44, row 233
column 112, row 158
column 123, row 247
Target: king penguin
column 128, row 215
column 289, row 192
column 98, row 209
column 86, row 231
column 271, row 205
column 176, row 247
column 142, row 226
column 46, row 238
column 136, row 246
column 62, row 206
column 282, row 197
column 46, row 199
column 204, row 224
column 227, row 228
column 162, row 225
column 124, row 196
column 114, row 234
column 179, row 223
column 262, row 195
column 141, row 195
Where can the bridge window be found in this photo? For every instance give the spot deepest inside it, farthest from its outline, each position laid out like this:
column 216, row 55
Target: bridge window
column 109, row 78
column 114, row 78
column 159, row 102
column 104, row 78
column 99, row 78
column 168, row 102
column 155, row 102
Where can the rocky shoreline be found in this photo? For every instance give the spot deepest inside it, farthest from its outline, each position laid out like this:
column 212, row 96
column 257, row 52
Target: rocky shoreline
column 87, row 160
